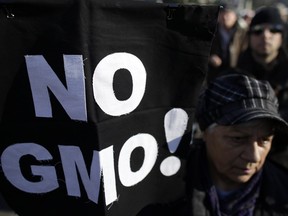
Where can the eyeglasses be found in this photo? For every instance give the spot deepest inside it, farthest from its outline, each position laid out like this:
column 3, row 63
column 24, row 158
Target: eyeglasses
column 259, row 29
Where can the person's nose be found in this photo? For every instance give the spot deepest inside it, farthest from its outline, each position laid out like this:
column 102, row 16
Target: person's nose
column 252, row 154
column 267, row 32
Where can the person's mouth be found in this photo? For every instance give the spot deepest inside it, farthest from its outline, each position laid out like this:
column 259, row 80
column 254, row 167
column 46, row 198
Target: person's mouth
column 245, row 170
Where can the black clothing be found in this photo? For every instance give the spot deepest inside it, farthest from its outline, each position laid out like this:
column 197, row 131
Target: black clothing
column 277, row 73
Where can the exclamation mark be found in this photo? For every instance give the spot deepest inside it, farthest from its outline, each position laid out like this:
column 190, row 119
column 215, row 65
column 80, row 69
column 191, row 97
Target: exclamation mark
column 175, row 124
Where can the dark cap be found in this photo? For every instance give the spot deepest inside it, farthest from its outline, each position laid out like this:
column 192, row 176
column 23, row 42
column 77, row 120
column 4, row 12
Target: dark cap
column 236, row 98
column 269, row 15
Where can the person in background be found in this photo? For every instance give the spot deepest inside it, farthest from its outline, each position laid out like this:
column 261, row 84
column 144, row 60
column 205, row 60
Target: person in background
column 228, row 42
column 228, row 172
column 283, row 10
column 265, row 57
column 247, row 15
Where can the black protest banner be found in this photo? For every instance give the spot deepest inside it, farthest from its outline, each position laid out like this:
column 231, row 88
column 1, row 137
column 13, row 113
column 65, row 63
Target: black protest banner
column 97, row 102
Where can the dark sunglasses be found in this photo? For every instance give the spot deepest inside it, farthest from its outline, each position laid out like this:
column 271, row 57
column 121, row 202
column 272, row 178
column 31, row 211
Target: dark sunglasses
column 259, row 29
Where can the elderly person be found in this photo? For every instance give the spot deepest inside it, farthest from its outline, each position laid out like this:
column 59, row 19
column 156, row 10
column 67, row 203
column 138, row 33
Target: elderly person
column 228, row 171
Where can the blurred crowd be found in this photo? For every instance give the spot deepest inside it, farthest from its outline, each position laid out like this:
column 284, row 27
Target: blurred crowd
column 255, row 42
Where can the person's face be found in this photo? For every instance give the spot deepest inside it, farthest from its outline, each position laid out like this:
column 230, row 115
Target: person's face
column 236, row 153
column 265, row 40
column 227, row 18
